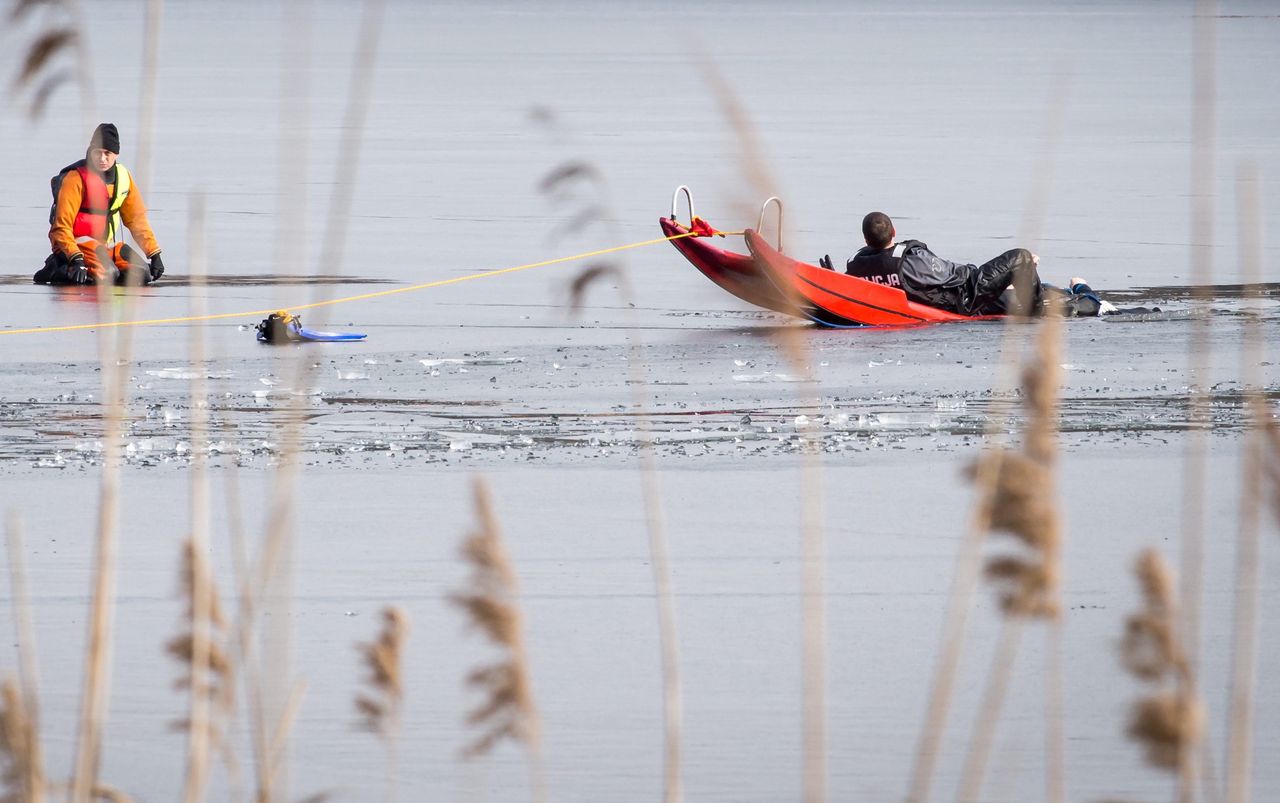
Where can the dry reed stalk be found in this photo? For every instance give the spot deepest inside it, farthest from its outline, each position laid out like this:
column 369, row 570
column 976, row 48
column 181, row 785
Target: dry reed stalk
column 1055, row 702
column 812, row 583
column 359, row 93
column 660, row 563
column 968, row 558
column 1271, row 461
column 560, row 185
column 751, row 161
column 791, row 342
column 1244, row 654
column 655, row 524
column 209, row 667
column 203, row 654
column 273, row 696
column 97, row 665
column 1020, row 503
column 147, row 105
column 1168, row 723
column 64, row 34
column 380, row 706
column 235, row 636
column 997, row 686
column 492, row 604
column 278, row 739
column 115, row 346
column 239, row 639
column 102, row 792
column 249, row 579
column 31, row 765
column 1195, row 463
column 672, row 708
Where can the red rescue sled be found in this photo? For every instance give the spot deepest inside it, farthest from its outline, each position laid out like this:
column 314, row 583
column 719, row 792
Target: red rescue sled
column 770, row 279
column 736, row 273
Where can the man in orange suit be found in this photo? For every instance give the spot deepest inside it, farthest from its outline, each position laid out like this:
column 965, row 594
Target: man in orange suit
column 95, row 199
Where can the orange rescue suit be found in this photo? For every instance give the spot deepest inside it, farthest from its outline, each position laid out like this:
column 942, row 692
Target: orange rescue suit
column 82, row 214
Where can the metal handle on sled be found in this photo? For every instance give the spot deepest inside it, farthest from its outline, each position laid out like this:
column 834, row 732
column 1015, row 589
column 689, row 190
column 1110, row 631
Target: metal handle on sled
column 675, row 200
column 760, row 224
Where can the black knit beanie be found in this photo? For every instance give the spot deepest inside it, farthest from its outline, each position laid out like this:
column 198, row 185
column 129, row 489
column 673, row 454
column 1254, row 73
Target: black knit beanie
column 106, row 136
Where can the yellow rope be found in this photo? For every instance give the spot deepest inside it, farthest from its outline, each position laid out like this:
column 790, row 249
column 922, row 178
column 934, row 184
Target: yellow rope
column 361, row 297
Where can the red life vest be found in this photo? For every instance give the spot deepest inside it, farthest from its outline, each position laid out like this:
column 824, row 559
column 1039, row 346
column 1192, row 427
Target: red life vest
column 99, row 215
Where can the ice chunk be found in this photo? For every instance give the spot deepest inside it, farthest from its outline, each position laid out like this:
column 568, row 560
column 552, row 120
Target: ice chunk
column 767, row 376
column 432, row 363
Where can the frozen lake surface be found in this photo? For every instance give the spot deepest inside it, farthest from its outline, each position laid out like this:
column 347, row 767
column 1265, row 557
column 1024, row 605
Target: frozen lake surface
column 937, row 114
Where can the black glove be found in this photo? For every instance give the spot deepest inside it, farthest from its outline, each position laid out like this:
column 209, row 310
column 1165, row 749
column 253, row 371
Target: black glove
column 76, row 270
column 825, row 261
column 157, row 266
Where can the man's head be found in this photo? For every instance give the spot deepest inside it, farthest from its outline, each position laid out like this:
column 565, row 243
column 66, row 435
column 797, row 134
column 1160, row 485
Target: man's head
column 104, row 147
column 877, row 230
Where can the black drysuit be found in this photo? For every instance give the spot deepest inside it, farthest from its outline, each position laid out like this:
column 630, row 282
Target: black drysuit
column 929, row 279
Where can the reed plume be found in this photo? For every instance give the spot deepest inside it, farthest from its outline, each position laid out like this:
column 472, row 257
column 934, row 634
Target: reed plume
column 1168, row 722
column 21, row 775
column 379, row 708
column 491, row 605
column 59, row 39
column 210, row 676
column 216, row 667
column 1020, row 501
